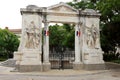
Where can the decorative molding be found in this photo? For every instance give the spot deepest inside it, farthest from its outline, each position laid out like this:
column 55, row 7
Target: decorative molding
column 63, row 14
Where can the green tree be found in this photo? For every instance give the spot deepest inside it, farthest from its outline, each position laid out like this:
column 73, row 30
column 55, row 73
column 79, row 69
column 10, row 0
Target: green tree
column 70, row 36
column 57, row 36
column 8, row 43
column 62, row 36
column 83, row 4
column 109, row 20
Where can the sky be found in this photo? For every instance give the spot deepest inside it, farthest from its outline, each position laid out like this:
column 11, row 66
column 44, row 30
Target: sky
column 10, row 11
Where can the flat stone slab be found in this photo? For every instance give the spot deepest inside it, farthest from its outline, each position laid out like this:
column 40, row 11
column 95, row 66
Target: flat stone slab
column 66, row 74
column 55, row 72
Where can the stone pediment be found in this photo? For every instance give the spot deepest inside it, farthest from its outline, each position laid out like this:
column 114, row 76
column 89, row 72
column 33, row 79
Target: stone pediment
column 62, row 7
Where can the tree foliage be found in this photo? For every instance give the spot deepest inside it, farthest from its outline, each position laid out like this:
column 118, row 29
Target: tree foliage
column 110, row 10
column 109, row 20
column 82, row 4
column 62, row 36
column 69, row 36
column 8, row 43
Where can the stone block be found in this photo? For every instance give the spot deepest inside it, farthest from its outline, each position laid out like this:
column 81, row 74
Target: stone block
column 30, row 68
column 17, row 55
column 46, row 66
column 77, row 66
column 94, row 66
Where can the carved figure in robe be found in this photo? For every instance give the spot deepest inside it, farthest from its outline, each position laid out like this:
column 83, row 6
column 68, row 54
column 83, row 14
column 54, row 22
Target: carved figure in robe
column 92, row 37
column 89, row 39
column 95, row 35
column 33, row 36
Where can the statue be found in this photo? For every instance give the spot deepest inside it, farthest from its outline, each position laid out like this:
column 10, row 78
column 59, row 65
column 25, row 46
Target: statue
column 95, row 35
column 89, row 39
column 92, row 37
column 32, row 36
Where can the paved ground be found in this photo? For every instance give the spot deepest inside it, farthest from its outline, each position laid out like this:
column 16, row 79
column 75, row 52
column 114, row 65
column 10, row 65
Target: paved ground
column 5, row 74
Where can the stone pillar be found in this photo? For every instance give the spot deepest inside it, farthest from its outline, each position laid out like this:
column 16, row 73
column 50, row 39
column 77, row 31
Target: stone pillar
column 28, row 56
column 46, row 63
column 78, row 63
column 91, row 49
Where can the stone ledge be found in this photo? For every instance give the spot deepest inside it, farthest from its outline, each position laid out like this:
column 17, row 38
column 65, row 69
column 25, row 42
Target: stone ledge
column 77, row 66
column 94, row 66
column 30, row 68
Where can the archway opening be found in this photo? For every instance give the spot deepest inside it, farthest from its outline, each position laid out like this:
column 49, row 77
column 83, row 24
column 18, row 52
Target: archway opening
column 61, row 45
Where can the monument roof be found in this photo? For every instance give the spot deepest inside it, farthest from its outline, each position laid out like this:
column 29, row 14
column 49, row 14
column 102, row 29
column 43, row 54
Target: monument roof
column 90, row 12
column 62, row 7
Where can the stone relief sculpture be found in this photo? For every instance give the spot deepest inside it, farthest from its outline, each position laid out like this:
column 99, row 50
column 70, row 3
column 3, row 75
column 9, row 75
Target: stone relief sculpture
column 32, row 36
column 95, row 35
column 92, row 37
column 89, row 38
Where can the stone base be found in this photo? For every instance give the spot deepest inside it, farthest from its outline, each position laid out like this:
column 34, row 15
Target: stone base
column 94, row 66
column 17, row 55
column 46, row 66
column 30, row 68
column 77, row 66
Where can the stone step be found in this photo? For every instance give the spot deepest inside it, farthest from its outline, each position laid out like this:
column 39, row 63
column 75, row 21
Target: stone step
column 8, row 63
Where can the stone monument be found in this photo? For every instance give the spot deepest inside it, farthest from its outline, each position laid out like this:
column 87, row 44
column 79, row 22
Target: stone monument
column 91, row 50
column 88, row 52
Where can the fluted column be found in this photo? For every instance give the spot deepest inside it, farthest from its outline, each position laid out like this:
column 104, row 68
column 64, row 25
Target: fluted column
column 46, row 62
column 46, row 43
column 77, row 44
column 77, row 63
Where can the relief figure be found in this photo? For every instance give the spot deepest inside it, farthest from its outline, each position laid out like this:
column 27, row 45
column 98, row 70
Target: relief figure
column 92, row 37
column 32, row 36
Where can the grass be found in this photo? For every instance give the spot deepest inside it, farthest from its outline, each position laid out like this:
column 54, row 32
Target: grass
column 116, row 61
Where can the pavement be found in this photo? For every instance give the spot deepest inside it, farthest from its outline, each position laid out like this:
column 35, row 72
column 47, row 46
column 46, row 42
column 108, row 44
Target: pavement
column 66, row 74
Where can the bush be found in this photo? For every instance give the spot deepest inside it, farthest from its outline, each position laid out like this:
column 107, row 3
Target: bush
column 8, row 44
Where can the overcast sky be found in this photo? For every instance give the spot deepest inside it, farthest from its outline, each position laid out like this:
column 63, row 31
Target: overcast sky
column 10, row 10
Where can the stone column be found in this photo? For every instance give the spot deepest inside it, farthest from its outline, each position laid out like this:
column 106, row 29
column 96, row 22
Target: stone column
column 78, row 63
column 46, row 63
column 28, row 56
column 91, row 49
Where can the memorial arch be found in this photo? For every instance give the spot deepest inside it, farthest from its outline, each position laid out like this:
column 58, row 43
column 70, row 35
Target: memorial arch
column 88, row 53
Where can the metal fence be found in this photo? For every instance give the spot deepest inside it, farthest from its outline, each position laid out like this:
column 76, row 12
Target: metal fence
column 62, row 60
